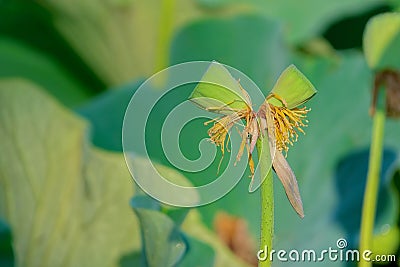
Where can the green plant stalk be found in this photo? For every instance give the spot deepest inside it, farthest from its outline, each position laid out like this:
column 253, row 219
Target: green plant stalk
column 372, row 186
column 267, row 200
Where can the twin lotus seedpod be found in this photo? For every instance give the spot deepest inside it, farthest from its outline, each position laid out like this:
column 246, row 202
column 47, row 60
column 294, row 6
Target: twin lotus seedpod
column 279, row 116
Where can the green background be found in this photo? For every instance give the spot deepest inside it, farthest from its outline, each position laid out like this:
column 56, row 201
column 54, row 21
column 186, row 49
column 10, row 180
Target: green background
column 67, row 72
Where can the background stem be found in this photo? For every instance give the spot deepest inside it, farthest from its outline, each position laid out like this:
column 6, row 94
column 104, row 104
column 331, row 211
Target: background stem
column 372, row 186
column 267, row 199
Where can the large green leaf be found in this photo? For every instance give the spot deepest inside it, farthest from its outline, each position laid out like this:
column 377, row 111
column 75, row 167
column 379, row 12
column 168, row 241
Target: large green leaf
column 17, row 60
column 66, row 202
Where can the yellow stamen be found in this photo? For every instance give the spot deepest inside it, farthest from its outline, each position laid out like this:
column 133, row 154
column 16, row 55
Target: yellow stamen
column 287, row 123
column 218, row 132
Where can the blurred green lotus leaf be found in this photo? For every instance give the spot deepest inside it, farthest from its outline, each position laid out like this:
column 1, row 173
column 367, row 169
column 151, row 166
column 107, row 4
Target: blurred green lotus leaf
column 65, row 201
column 293, row 87
column 6, row 251
column 226, row 40
column 218, row 91
column 204, row 255
column 382, row 41
column 299, row 18
column 192, row 231
column 131, row 36
column 223, row 255
column 20, row 60
column 123, row 40
column 163, row 243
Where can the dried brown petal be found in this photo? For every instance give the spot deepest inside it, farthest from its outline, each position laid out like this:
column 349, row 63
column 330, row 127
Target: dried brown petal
column 233, row 231
column 391, row 80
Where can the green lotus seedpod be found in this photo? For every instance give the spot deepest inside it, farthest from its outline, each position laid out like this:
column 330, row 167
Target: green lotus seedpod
column 293, row 89
column 382, row 41
column 218, row 91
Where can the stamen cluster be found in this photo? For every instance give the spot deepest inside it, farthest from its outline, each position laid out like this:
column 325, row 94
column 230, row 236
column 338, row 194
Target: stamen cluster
column 287, row 123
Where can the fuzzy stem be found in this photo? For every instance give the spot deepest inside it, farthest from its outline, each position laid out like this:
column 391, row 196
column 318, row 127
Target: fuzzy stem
column 267, row 200
column 372, row 186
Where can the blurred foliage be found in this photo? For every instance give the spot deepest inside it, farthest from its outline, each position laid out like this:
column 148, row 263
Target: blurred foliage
column 6, row 251
column 300, row 19
column 19, row 60
column 67, row 202
column 66, row 199
column 382, row 47
column 263, row 58
column 75, row 197
column 31, row 25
